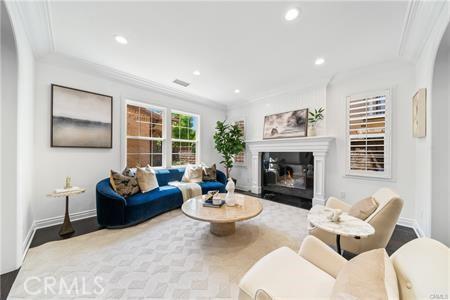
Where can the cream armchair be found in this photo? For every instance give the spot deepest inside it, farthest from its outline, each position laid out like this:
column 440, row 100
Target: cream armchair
column 421, row 266
column 383, row 219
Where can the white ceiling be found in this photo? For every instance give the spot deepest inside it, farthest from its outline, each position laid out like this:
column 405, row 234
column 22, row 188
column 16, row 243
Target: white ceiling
column 235, row 45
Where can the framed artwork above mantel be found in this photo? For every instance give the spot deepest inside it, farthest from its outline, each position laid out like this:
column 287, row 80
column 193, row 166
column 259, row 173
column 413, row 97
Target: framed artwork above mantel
column 80, row 119
column 286, row 125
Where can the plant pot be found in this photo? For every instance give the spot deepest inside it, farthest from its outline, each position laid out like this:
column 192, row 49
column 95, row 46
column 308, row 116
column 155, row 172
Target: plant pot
column 312, row 131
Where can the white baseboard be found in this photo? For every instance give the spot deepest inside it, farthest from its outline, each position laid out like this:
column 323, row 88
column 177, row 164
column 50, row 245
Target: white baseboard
column 51, row 222
column 28, row 239
column 411, row 223
column 60, row 219
column 246, row 188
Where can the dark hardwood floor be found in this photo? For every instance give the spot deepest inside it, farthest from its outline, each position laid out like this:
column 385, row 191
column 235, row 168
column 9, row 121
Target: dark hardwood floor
column 400, row 236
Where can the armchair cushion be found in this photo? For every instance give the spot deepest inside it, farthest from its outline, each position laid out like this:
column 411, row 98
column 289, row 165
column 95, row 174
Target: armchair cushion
column 286, row 275
column 369, row 275
column 363, row 208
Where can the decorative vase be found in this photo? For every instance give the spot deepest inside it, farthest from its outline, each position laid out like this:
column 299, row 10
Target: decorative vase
column 229, row 198
column 312, row 131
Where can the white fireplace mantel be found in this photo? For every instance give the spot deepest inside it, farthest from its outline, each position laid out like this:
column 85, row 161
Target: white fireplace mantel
column 318, row 145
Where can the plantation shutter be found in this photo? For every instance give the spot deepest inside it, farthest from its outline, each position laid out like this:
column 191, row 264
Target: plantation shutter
column 368, row 127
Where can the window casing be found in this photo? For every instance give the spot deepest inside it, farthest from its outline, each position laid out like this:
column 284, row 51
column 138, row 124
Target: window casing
column 184, row 138
column 145, row 135
column 368, row 134
column 240, row 158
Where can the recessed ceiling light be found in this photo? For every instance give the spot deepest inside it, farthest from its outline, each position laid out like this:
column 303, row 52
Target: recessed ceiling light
column 319, row 61
column 236, row 91
column 121, row 39
column 292, row 14
column 196, row 73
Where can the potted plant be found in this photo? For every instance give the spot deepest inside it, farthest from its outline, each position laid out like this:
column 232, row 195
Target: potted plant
column 314, row 118
column 229, row 142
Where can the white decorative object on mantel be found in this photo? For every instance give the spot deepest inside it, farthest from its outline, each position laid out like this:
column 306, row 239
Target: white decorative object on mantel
column 229, row 198
column 318, row 145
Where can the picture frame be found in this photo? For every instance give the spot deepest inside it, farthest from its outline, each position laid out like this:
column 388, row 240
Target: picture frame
column 80, row 119
column 419, row 113
column 289, row 124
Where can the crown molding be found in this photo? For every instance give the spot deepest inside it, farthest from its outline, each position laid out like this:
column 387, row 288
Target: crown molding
column 293, row 88
column 127, row 78
column 420, row 19
column 36, row 20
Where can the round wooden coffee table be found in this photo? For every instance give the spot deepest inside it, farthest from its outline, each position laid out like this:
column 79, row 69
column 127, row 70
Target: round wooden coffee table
column 223, row 220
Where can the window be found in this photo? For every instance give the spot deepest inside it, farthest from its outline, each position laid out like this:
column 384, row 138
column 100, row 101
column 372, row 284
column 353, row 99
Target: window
column 145, row 136
column 240, row 158
column 368, row 127
column 184, row 138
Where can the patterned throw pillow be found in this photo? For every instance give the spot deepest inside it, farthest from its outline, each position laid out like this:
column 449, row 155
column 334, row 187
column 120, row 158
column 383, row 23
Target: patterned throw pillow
column 209, row 173
column 146, row 178
column 193, row 173
column 130, row 172
column 123, row 185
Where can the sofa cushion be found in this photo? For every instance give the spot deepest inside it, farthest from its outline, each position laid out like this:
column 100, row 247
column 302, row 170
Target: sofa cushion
column 211, row 186
column 164, row 176
column 369, row 275
column 146, row 178
column 209, row 173
column 286, row 275
column 123, row 185
column 193, row 173
column 161, row 192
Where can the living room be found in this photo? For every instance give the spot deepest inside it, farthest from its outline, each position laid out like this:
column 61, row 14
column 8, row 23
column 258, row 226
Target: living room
column 200, row 150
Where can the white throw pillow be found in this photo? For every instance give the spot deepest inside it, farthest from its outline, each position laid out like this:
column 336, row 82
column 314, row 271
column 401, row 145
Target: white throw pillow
column 146, row 178
column 193, row 173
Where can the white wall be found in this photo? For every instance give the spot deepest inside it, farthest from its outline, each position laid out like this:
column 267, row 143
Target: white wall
column 21, row 212
column 400, row 77
column 423, row 164
column 440, row 137
column 396, row 75
column 88, row 166
column 8, row 187
column 253, row 114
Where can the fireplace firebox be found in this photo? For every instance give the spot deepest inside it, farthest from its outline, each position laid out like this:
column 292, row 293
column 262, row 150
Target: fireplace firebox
column 288, row 177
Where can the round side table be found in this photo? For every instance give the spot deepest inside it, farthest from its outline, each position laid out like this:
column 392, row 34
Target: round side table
column 66, row 228
column 347, row 226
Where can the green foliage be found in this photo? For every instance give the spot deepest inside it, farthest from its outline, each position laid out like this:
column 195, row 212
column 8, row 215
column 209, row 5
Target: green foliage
column 229, row 141
column 183, row 127
column 316, row 116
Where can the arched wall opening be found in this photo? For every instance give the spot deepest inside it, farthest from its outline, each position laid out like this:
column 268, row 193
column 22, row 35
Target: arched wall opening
column 10, row 241
column 440, row 137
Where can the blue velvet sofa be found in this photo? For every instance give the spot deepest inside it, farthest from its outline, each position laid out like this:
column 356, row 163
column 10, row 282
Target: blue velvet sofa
column 113, row 210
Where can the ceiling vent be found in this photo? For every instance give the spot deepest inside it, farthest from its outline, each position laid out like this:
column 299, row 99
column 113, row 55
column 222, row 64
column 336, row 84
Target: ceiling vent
column 181, row 82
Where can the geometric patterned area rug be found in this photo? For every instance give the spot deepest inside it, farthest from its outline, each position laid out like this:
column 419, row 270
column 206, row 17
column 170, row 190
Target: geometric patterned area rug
column 168, row 257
